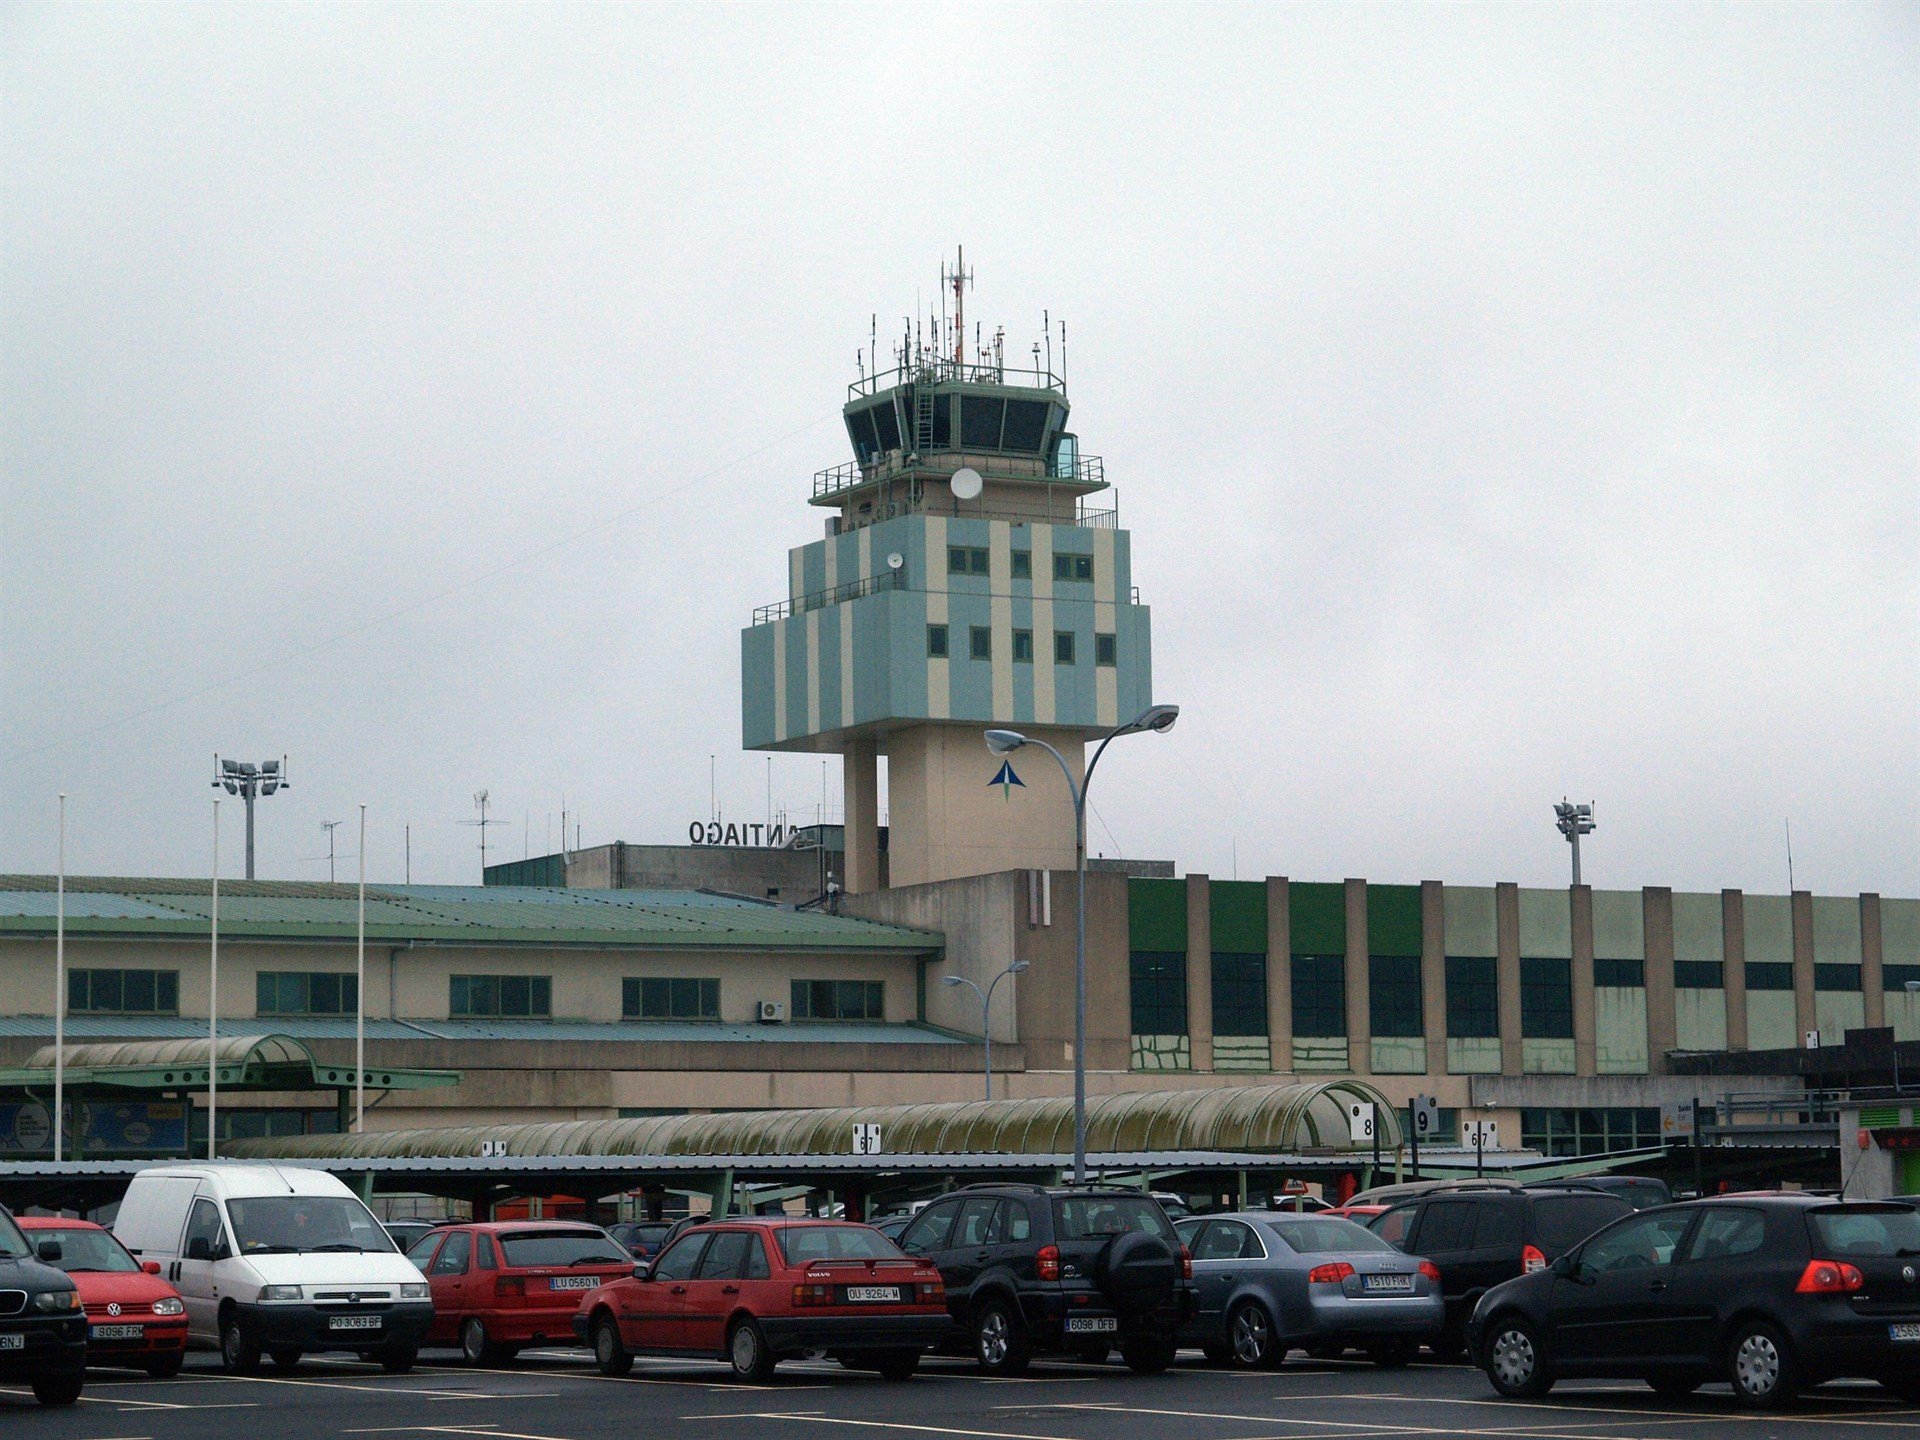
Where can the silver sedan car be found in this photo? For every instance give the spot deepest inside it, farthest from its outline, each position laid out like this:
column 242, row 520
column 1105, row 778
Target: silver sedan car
column 1269, row 1282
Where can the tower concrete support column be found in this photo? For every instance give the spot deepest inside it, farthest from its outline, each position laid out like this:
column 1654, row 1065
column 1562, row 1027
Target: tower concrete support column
column 1805, row 1013
column 1585, row 1043
column 861, row 788
column 1279, row 975
column 1663, row 1023
column 1872, row 960
column 1359, row 972
column 1733, row 944
column 1433, row 973
column 947, row 817
column 1506, row 901
column 1200, row 971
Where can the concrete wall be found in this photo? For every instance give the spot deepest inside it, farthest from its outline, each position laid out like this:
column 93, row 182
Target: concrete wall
column 756, row 871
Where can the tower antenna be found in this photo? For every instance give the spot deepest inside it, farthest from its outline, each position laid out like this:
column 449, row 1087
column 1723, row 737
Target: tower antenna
column 1046, row 325
column 958, row 279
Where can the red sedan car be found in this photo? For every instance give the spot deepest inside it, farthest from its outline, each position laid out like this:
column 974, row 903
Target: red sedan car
column 504, row 1284
column 134, row 1318
column 754, row 1292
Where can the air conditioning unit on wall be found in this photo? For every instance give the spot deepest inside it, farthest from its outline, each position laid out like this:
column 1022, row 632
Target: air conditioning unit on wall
column 773, row 1012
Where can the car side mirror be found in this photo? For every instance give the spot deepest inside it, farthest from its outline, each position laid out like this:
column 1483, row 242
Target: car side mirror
column 199, row 1248
column 643, row 1271
column 49, row 1251
column 152, row 1267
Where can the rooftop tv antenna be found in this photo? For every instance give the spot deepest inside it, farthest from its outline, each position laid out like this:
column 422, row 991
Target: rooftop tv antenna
column 481, row 799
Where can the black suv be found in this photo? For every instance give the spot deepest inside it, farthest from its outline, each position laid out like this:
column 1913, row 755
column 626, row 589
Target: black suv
column 1031, row 1270
column 43, row 1330
column 1480, row 1238
column 1767, row 1292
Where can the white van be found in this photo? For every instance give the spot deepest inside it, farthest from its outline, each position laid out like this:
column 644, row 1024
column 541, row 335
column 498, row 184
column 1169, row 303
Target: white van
column 280, row 1260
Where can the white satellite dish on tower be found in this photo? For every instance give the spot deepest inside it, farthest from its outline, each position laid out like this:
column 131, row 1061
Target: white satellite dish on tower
column 966, row 483
column 896, row 560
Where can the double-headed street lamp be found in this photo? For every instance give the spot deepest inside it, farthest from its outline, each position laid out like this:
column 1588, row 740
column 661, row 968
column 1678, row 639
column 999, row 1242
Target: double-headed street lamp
column 986, row 1008
column 1159, row 719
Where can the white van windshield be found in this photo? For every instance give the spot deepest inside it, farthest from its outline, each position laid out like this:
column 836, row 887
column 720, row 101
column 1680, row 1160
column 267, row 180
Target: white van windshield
column 303, row 1224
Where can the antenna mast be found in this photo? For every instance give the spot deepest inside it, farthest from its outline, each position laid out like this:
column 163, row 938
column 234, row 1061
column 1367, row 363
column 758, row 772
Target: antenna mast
column 958, row 279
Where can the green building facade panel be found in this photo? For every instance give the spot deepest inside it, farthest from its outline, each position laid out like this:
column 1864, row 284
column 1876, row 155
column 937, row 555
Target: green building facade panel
column 1317, row 918
column 1239, row 916
column 1157, row 915
column 1393, row 920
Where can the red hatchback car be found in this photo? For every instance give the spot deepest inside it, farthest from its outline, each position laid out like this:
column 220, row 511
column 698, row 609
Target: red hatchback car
column 504, row 1284
column 755, row 1292
column 134, row 1318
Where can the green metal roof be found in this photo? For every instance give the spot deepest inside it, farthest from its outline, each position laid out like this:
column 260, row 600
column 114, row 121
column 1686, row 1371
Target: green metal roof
column 248, row 1062
column 460, row 914
column 1252, row 1118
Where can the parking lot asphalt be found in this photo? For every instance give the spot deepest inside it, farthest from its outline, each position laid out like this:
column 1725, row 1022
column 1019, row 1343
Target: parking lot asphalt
column 556, row 1395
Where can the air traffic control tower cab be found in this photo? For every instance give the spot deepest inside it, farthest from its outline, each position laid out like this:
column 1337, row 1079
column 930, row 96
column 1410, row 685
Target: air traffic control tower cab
column 971, row 576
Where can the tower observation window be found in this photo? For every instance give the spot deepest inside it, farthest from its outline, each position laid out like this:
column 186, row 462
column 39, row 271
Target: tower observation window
column 981, row 417
column 866, row 442
column 1026, row 423
column 887, row 425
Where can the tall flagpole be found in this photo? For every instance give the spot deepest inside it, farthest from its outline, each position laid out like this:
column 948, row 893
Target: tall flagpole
column 213, row 1001
column 360, row 994
column 60, row 992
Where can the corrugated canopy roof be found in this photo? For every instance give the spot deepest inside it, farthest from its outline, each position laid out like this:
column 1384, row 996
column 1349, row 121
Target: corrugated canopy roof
column 469, row 914
column 1264, row 1118
column 256, row 1062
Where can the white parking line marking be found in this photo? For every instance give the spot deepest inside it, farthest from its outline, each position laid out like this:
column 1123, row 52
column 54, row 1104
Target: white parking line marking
column 816, row 1418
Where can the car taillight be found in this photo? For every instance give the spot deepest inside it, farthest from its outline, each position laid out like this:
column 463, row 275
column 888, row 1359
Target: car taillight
column 933, row 1292
column 1531, row 1259
column 1430, row 1270
column 1047, row 1261
column 813, row 1295
column 1829, row 1277
column 1186, row 1263
column 509, row 1285
column 1329, row 1274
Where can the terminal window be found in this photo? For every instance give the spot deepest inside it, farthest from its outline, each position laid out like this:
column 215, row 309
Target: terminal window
column 663, row 998
column 1063, row 647
column 1473, row 997
column 1769, row 975
column 967, row 560
column 1699, row 975
column 1022, row 564
column 505, row 997
column 1898, row 977
column 291, row 992
column 1589, row 1132
column 1239, row 993
column 1621, row 974
column 123, row 992
column 1106, row 650
column 839, row 1000
column 937, row 641
column 1546, row 997
column 1157, row 989
column 1394, row 996
column 1023, row 646
column 982, row 642
column 1836, row 977
column 1319, row 996
column 1072, row 567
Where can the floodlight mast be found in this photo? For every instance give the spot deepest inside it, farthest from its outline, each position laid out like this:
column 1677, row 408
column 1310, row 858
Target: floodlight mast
column 1573, row 821
column 247, row 780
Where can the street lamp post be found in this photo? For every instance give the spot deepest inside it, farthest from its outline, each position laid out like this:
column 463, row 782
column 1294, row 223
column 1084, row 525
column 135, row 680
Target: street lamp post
column 247, row 780
column 1159, row 719
column 1573, row 821
column 986, row 1008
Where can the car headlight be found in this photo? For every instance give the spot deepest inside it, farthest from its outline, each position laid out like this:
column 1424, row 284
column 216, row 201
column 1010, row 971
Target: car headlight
column 415, row 1292
column 57, row 1302
column 169, row 1305
column 279, row 1292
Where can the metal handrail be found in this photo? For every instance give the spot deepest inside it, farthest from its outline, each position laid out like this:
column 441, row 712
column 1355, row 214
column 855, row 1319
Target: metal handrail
column 820, row 599
column 936, row 370
column 1085, row 470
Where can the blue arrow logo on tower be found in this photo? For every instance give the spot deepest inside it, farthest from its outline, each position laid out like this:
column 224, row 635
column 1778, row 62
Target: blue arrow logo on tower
column 1006, row 780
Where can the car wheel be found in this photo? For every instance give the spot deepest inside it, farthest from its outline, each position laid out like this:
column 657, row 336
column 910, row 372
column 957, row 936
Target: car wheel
column 1392, row 1354
column 1148, row 1355
column 998, row 1342
column 1673, row 1387
column 610, row 1354
column 399, row 1360
column 59, row 1389
column 285, row 1357
column 1515, row 1362
column 1760, row 1365
column 165, row 1367
column 239, row 1351
column 1250, row 1337
column 475, row 1347
column 897, row 1364
column 748, row 1353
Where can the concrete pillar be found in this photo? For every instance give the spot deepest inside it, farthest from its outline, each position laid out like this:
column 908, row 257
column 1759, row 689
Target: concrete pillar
column 1200, row 971
column 1733, row 943
column 1804, row 1013
column 1873, row 983
column 1506, row 909
column 1580, row 915
column 1359, row 1017
column 1433, row 974
column 861, row 787
column 1663, row 1024
column 1279, row 975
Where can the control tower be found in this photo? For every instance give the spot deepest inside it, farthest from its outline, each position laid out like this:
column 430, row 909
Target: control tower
column 973, row 574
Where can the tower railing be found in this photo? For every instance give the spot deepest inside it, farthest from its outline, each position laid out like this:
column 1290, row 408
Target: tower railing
column 1089, row 470
column 820, row 599
column 939, row 369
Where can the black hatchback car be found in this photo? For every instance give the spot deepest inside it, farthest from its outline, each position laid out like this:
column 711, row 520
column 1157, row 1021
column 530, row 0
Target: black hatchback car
column 43, row 1330
column 1032, row 1270
column 1767, row 1292
column 1479, row 1238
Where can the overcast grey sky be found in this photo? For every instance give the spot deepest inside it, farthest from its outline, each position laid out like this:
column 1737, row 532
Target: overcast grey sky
column 1505, row 402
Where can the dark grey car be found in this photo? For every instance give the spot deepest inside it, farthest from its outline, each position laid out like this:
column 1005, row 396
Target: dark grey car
column 1269, row 1282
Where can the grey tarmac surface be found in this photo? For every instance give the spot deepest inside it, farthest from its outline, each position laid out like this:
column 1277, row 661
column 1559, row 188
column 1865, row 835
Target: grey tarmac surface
column 556, row 1395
